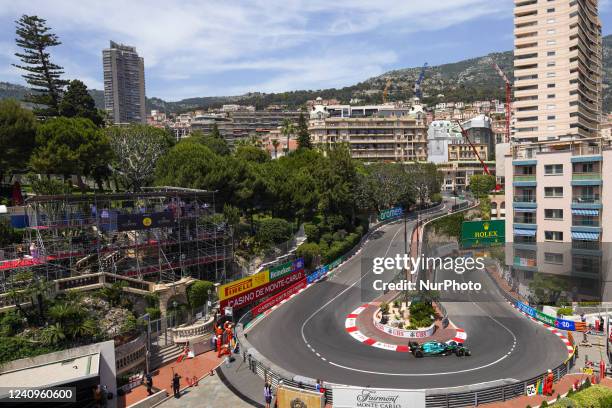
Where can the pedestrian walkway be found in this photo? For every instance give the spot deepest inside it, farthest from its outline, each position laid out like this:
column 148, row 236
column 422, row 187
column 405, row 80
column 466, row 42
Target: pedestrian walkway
column 211, row 392
column 559, row 388
column 197, row 367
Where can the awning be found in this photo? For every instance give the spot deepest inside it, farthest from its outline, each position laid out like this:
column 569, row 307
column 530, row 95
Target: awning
column 527, row 210
column 524, row 232
column 586, row 236
column 593, row 213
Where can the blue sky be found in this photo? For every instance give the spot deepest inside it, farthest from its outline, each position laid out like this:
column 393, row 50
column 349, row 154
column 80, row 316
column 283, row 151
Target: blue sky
column 229, row 47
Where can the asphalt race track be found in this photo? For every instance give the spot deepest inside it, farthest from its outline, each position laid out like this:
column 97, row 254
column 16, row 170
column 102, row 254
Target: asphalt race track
column 307, row 336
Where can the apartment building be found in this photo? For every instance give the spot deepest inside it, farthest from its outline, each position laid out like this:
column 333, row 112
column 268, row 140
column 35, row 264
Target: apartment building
column 557, row 69
column 558, row 164
column 124, row 84
column 373, row 132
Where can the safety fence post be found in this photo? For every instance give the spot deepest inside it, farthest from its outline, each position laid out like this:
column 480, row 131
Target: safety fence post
column 503, row 390
column 476, row 398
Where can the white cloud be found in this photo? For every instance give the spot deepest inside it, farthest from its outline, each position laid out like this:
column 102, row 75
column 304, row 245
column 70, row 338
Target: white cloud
column 304, row 43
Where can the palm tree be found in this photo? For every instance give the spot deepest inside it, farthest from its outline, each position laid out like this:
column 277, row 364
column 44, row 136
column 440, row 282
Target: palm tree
column 275, row 144
column 288, row 128
column 52, row 335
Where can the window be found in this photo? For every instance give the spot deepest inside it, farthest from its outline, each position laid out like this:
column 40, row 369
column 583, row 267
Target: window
column 551, row 107
column 550, row 96
column 553, row 258
column 551, row 31
column 550, row 75
column 551, row 53
column 551, row 42
column 553, row 235
column 551, row 64
column 553, row 191
column 551, row 127
column 551, row 117
column 551, row 21
column 550, row 10
column 553, row 214
column 551, row 85
column 550, row 169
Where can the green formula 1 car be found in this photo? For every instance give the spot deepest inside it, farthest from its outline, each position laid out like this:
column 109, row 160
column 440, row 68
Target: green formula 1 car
column 436, row 348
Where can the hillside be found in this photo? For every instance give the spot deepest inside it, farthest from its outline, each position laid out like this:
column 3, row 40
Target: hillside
column 466, row 80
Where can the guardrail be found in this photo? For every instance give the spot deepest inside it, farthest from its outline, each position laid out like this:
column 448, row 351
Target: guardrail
column 260, row 366
column 503, row 390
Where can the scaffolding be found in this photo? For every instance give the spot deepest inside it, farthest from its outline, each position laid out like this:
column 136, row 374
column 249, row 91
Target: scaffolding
column 159, row 235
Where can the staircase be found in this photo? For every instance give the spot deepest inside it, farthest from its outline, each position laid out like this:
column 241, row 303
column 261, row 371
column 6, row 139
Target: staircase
column 163, row 355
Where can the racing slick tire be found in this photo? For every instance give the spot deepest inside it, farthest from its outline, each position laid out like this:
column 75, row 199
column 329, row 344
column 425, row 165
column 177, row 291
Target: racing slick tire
column 460, row 352
column 418, row 353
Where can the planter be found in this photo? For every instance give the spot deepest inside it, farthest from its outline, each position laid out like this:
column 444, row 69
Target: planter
column 403, row 333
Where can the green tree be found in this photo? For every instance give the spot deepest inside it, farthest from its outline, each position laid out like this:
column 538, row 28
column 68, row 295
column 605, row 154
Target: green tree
column 482, row 184
column 546, row 289
column 53, row 335
column 77, row 102
column 287, row 129
column 216, row 144
column 426, row 180
column 311, row 252
column 303, row 136
column 275, row 144
column 272, row 231
column 69, row 146
column 197, row 293
column 214, row 132
column 44, row 77
column 251, row 154
column 137, row 149
column 17, row 136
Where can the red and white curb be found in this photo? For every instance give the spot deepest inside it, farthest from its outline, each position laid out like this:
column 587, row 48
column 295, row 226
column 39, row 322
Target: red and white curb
column 350, row 324
column 554, row 330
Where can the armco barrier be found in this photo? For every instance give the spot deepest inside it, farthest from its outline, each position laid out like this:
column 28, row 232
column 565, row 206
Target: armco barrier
column 471, row 395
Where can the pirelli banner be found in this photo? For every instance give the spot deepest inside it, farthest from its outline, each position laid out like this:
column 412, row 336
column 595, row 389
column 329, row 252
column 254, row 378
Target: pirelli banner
column 260, row 292
column 243, row 292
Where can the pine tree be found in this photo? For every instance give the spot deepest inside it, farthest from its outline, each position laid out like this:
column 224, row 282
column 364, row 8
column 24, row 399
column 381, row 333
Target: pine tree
column 303, row 134
column 77, row 102
column 214, row 132
column 43, row 76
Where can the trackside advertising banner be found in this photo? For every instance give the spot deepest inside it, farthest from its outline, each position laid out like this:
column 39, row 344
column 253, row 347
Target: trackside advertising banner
column 355, row 397
column 322, row 271
column 544, row 318
column 243, row 285
column 276, row 299
column 286, row 268
column 260, row 292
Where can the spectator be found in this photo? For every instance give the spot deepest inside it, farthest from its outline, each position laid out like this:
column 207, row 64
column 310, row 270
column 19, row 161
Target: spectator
column 176, row 385
column 149, row 383
column 268, row 394
column 97, row 395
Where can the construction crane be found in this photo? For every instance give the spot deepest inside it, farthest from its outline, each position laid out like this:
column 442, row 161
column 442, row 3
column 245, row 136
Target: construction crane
column 465, row 135
column 386, row 90
column 417, row 84
column 508, row 99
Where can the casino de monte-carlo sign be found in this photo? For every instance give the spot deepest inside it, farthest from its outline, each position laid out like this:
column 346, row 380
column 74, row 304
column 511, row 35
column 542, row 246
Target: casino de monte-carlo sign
column 356, row 397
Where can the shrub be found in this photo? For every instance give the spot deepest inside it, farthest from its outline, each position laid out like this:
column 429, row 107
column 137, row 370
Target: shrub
column 384, row 307
column 312, row 232
column 154, row 312
column 565, row 311
column 310, row 251
column 197, row 293
column 273, row 231
column 327, row 237
column 544, row 404
column 592, row 396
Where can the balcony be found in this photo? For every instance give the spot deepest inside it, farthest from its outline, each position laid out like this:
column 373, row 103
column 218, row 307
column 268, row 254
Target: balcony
column 586, row 179
column 592, row 201
column 524, row 177
column 529, row 264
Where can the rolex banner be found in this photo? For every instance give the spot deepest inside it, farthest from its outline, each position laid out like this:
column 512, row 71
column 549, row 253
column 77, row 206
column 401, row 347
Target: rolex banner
column 483, row 233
